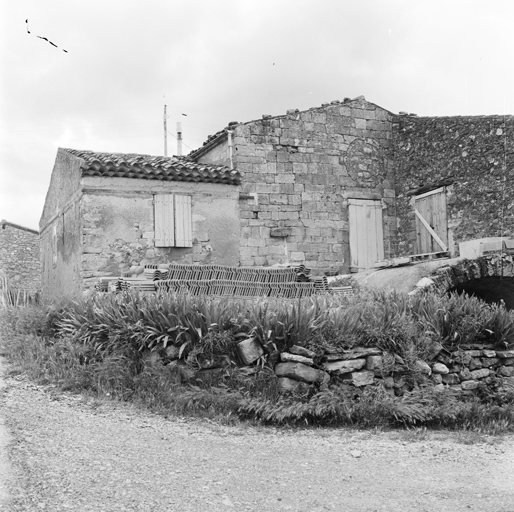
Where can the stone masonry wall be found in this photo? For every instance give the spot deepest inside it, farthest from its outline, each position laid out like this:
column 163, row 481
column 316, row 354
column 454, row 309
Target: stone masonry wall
column 118, row 225
column 298, row 172
column 302, row 168
column 19, row 256
column 473, row 157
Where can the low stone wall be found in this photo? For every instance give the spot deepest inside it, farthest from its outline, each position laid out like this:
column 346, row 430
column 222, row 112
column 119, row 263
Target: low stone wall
column 467, row 369
column 464, row 369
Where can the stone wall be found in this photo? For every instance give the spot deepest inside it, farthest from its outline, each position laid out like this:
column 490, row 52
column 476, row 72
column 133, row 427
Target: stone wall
column 466, row 370
column 473, row 157
column 298, row 172
column 118, row 225
column 19, row 256
column 463, row 369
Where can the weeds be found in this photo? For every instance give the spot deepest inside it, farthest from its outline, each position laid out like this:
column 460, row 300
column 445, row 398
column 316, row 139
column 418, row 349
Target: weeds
column 98, row 346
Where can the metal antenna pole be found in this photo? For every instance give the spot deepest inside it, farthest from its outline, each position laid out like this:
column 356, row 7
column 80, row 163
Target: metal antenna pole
column 165, row 133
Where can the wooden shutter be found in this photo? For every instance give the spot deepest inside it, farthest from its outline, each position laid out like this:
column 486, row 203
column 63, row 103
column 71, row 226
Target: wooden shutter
column 183, row 227
column 366, row 233
column 164, row 214
column 431, row 222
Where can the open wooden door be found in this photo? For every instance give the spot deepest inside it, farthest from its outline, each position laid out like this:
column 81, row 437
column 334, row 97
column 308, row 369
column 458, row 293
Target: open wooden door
column 366, row 233
column 431, row 222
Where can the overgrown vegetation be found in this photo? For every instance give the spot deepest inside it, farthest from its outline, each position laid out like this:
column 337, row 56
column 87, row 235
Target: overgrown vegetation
column 103, row 345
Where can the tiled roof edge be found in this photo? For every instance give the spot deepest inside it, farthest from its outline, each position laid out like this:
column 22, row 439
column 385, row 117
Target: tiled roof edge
column 132, row 165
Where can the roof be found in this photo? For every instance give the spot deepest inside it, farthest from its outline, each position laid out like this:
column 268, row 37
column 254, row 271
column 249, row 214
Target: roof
column 4, row 223
column 128, row 165
column 213, row 140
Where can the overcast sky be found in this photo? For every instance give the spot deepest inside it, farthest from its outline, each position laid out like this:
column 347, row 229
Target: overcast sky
column 227, row 60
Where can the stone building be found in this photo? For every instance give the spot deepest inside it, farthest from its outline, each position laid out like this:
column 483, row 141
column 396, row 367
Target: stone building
column 107, row 212
column 19, row 257
column 337, row 188
column 341, row 186
column 314, row 183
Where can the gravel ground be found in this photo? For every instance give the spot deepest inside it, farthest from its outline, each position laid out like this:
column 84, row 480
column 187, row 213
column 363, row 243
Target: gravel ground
column 71, row 453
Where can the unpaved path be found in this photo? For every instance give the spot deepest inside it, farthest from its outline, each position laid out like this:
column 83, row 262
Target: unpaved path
column 73, row 454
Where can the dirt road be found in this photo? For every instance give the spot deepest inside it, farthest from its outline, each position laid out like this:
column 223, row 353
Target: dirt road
column 73, row 454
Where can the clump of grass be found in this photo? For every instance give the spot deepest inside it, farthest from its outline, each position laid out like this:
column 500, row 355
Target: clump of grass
column 97, row 346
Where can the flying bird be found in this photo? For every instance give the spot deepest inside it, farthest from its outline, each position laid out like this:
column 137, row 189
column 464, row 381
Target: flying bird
column 44, row 38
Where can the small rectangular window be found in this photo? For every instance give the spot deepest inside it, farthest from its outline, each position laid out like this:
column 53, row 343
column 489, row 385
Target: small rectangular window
column 173, row 226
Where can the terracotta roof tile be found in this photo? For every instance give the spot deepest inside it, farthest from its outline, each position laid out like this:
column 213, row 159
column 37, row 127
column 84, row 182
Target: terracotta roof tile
column 128, row 165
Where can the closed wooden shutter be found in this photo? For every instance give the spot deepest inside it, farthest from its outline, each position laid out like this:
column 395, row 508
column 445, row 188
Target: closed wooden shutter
column 183, row 227
column 164, row 213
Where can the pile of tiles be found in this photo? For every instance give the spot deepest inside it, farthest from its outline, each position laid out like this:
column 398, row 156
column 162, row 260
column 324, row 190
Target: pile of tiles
column 221, row 280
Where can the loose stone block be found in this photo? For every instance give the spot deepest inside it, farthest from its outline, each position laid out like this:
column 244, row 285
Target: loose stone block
column 473, row 353
column 249, row 350
column 299, row 371
column 475, row 364
column 480, row 374
column 285, row 357
column 439, row 387
column 487, row 362
column 440, row 368
column 345, row 366
column 363, row 378
column 465, row 374
column 506, row 371
column 451, row 378
column 374, row 362
column 504, row 354
column 437, row 378
column 489, row 353
column 302, row 351
column 468, row 385
column 423, row 367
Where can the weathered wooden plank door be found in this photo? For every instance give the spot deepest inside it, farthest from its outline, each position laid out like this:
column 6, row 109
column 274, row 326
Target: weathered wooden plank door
column 431, row 222
column 366, row 233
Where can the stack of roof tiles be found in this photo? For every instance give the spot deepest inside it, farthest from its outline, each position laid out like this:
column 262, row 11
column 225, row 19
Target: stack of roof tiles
column 221, row 280
column 148, row 167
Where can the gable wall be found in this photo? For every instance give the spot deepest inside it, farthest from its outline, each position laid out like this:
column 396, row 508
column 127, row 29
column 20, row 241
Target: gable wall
column 301, row 169
column 469, row 154
column 60, row 229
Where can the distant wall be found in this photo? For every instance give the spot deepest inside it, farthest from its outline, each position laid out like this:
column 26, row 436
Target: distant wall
column 19, row 256
column 474, row 157
column 118, row 225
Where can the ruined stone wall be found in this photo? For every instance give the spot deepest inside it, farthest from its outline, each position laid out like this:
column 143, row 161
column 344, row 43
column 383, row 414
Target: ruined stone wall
column 473, row 157
column 19, row 257
column 298, row 172
column 118, row 225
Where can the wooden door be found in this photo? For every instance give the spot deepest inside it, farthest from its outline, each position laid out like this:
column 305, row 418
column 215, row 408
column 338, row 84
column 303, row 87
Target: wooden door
column 366, row 233
column 431, row 222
